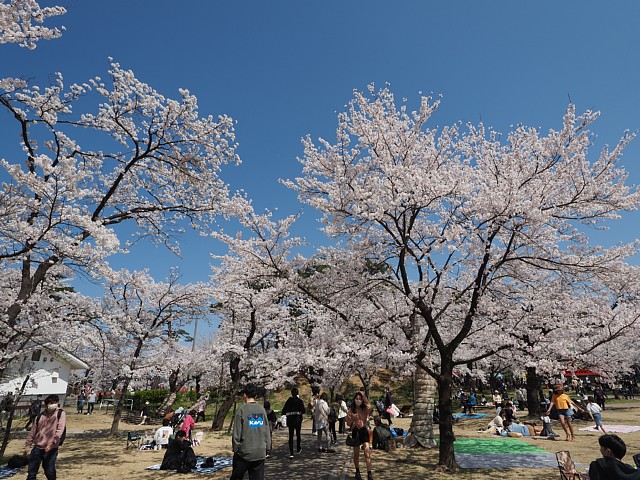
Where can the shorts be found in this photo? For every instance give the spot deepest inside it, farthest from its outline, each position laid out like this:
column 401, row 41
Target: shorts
column 597, row 417
column 363, row 435
column 563, row 412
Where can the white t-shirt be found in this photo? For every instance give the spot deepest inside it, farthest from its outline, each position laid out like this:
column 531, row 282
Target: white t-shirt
column 162, row 435
column 593, row 408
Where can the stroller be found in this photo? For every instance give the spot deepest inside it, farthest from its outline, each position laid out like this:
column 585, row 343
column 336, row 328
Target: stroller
column 178, row 417
column 547, row 431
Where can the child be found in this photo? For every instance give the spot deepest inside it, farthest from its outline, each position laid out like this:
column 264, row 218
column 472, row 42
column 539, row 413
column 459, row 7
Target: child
column 594, row 409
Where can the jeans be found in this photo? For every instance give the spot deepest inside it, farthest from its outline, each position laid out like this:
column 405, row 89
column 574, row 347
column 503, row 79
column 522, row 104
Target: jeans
column 48, row 461
column 90, row 406
column 240, row 466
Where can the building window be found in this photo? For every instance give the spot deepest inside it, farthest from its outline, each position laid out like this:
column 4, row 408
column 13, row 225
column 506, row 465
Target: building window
column 35, row 356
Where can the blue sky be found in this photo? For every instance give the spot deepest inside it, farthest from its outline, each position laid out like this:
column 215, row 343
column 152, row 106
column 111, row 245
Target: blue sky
column 283, row 69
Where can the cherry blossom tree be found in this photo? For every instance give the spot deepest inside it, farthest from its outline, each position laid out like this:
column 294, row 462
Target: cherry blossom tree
column 252, row 300
column 155, row 166
column 459, row 214
column 21, row 22
column 139, row 316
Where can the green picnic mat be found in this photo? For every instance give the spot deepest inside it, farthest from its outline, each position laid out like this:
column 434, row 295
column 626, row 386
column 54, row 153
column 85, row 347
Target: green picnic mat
column 493, row 445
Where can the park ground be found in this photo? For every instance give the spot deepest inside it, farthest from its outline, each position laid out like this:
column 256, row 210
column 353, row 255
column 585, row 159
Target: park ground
column 88, row 454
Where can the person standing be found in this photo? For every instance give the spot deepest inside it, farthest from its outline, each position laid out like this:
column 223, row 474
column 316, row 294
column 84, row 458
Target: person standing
column 294, row 410
column 44, row 438
column 562, row 403
column 497, row 401
column 145, row 413
column 342, row 413
column 599, row 397
column 321, row 419
column 251, row 439
column 388, row 401
column 201, row 406
column 91, row 402
column 80, row 401
column 315, row 392
column 34, row 411
column 357, row 421
column 6, row 407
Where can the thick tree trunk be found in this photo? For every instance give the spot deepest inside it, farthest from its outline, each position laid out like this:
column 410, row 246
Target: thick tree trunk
column 447, row 459
column 421, row 429
column 533, row 392
column 223, row 410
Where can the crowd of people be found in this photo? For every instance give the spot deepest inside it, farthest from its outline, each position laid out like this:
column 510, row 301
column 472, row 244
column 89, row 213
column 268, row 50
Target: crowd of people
column 359, row 418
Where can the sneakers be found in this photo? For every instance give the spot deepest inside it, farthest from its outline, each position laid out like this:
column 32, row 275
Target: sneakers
column 291, row 455
column 299, row 451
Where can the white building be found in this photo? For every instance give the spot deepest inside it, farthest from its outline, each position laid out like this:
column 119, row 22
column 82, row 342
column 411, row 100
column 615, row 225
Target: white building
column 48, row 369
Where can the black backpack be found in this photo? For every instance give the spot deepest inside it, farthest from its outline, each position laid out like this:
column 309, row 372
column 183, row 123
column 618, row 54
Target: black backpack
column 333, row 417
column 64, row 432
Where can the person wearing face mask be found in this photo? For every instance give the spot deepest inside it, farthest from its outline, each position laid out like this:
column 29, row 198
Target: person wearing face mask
column 357, row 420
column 44, row 438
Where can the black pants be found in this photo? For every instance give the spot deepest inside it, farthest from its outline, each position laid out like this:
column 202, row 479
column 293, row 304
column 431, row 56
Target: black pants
column 241, row 466
column 341, row 422
column 332, row 431
column 296, row 429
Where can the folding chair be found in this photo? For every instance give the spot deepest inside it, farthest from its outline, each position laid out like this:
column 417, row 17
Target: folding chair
column 636, row 459
column 133, row 439
column 568, row 470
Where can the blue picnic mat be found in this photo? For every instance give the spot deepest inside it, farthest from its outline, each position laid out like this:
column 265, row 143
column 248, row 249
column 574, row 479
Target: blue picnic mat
column 6, row 472
column 462, row 416
column 218, row 463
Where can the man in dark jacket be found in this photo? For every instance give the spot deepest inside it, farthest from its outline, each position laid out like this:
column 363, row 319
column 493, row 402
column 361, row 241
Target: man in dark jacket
column 294, row 410
column 251, row 438
column 610, row 466
column 381, row 434
column 179, row 455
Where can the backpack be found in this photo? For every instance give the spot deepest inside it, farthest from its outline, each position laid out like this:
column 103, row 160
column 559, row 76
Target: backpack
column 332, row 417
column 64, row 432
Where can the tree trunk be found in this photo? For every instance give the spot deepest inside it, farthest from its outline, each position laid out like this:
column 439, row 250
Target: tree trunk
column 421, row 429
column 7, row 432
column 223, row 410
column 447, row 459
column 117, row 413
column 533, row 392
column 167, row 403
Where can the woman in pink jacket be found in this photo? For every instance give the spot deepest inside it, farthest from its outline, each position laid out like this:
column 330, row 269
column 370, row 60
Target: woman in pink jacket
column 188, row 423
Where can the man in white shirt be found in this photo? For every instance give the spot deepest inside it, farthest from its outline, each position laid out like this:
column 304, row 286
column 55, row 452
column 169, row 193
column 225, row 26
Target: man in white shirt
column 162, row 436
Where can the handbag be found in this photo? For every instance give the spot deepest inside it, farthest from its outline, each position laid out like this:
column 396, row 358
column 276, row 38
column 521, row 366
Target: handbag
column 352, row 439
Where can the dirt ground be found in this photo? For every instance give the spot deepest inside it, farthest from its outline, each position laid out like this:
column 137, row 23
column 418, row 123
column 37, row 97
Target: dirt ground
column 89, row 455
